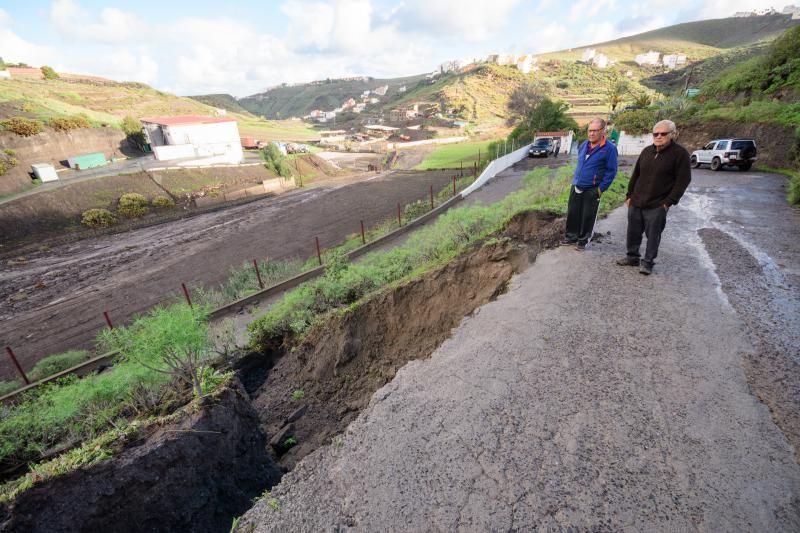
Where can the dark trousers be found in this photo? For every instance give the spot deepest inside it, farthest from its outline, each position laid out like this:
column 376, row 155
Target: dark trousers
column 651, row 222
column 582, row 214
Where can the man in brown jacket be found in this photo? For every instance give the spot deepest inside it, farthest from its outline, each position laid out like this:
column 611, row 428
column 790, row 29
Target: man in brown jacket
column 659, row 179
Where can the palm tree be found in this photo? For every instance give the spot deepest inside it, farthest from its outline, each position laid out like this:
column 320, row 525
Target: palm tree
column 616, row 93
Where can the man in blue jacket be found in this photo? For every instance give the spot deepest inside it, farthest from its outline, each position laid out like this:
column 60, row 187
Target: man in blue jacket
column 597, row 168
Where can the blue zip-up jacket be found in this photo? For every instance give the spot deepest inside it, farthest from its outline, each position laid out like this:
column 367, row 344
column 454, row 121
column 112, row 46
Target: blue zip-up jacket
column 597, row 166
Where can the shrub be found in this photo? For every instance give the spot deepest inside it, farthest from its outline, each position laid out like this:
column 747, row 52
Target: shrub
column 132, row 205
column 163, row 201
column 133, row 131
column 98, row 218
column 73, row 122
column 635, row 121
column 56, row 363
column 49, row 73
column 275, row 161
column 168, row 340
column 23, row 127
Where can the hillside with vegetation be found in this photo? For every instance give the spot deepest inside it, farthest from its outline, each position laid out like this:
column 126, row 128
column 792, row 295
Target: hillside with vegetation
column 286, row 101
column 70, row 101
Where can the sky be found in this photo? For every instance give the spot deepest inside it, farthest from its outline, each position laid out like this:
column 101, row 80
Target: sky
column 242, row 48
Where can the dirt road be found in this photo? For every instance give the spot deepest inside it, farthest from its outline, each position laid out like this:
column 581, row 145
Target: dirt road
column 68, row 287
column 592, row 398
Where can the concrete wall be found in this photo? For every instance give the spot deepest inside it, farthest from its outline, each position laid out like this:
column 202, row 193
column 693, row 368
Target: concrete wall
column 219, row 141
column 53, row 147
column 633, row 144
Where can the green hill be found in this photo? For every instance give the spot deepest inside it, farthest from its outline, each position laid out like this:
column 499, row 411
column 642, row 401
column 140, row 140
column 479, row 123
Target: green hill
column 288, row 101
column 221, row 101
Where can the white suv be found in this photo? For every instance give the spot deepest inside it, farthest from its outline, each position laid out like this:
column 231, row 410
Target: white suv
column 733, row 152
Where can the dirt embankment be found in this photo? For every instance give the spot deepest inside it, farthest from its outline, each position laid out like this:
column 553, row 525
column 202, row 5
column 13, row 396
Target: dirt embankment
column 194, row 475
column 777, row 145
column 56, row 214
column 54, row 147
column 344, row 361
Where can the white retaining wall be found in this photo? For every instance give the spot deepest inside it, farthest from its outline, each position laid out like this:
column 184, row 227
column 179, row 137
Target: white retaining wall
column 495, row 167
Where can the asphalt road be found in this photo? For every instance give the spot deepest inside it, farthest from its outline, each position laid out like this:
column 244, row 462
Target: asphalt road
column 590, row 397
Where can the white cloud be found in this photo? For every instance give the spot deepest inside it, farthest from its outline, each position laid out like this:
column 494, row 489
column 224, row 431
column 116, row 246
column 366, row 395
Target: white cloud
column 112, row 26
column 726, row 8
column 588, row 10
column 467, row 20
column 15, row 49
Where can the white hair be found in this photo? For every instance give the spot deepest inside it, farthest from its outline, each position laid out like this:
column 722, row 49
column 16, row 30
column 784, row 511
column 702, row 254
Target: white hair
column 667, row 123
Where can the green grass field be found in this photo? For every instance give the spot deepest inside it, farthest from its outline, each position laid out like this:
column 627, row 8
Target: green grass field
column 452, row 155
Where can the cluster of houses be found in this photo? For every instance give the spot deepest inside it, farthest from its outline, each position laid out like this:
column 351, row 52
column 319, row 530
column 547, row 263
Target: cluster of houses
column 367, row 97
column 590, row 56
column 653, row 58
column 792, row 10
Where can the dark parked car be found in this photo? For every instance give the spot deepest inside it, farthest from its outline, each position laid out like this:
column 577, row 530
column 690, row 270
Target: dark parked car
column 541, row 148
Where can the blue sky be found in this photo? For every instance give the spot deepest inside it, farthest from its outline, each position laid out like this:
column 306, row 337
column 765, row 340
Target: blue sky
column 240, row 48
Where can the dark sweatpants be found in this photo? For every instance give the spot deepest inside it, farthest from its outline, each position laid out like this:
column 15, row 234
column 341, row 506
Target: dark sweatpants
column 651, row 222
column 582, row 213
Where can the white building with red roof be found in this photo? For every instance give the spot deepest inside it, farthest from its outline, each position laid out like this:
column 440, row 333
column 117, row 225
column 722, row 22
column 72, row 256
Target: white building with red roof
column 204, row 140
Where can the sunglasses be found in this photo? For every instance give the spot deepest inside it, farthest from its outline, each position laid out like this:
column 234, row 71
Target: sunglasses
column 594, row 131
column 661, row 133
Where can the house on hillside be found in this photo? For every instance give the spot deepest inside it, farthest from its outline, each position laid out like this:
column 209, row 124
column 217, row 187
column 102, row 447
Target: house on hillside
column 204, row 140
column 601, row 61
column 381, row 91
column 672, row 61
column 588, row 55
column 650, row 58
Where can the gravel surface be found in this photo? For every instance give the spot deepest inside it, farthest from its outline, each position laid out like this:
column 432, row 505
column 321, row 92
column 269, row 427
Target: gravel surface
column 589, row 397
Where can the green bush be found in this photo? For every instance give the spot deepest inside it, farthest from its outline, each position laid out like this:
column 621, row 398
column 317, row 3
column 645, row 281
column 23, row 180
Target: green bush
column 56, row 363
column 23, row 127
column 635, row 121
column 49, row 73
column 98, row 218
column 275, row 161
column 132, row 205
column 73, row 122
column 163, row 201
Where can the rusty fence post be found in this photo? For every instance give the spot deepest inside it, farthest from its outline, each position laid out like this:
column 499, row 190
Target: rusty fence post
column 13, row 358
column 454, row 185
column 258, row 274
column 186, row 294
column 108, row 320
column 363, row 235
column 319, row 253
column 431, row 196
column 399, row 220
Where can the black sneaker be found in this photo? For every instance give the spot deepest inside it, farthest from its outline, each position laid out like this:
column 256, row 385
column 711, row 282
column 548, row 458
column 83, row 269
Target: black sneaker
column 628, row 262
column 645, row 269
column 580, row 247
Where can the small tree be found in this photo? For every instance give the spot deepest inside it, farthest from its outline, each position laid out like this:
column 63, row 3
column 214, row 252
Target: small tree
column 133, row 132
column 523, row 101
column 171, row 340
column 49, row 73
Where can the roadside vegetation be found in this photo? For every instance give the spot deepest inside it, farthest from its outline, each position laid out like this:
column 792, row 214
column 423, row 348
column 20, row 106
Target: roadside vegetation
column 164, row 361
column 345, row 284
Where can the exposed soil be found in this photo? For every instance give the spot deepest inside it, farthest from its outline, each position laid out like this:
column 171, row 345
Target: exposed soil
column 53, row 300
column 192, row 475
column 344, row 361
column 53, row 147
